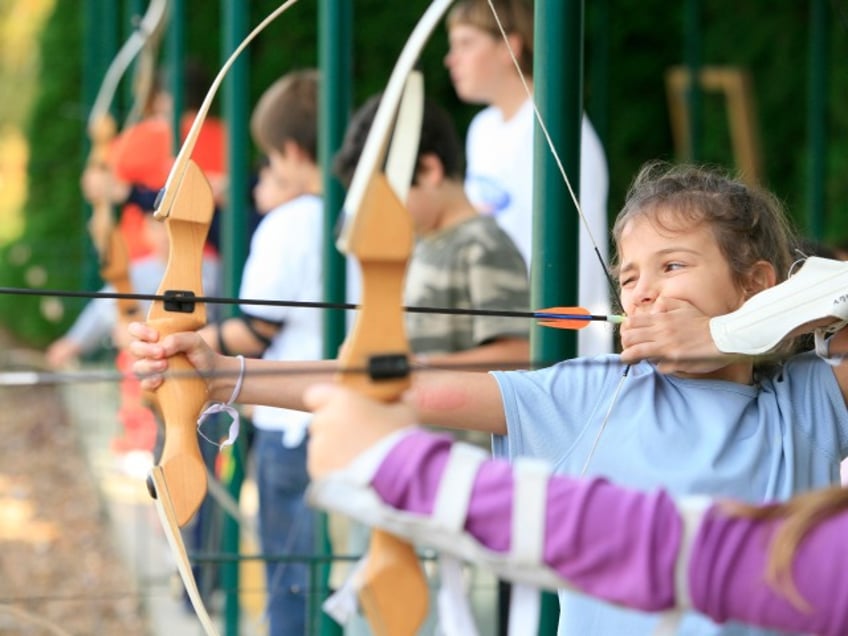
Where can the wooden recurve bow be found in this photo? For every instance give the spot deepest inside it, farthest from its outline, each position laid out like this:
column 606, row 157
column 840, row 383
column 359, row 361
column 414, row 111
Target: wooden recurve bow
column 108, row 242
column 186, row 205
column 378, row 232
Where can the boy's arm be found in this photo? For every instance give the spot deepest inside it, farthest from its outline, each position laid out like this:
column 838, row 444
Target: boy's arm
column 451, row 399
column 245, row 335
column 90, row 330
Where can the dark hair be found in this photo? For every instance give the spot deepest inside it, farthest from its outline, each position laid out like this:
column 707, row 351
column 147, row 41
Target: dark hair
column 288, row 111
column 516, row 17
column 438, row 137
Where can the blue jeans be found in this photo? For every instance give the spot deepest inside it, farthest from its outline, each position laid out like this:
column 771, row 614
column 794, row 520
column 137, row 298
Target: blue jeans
column 286, row 528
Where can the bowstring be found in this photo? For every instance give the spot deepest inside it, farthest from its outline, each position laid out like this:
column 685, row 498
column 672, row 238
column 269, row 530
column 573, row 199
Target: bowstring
column 583, row 220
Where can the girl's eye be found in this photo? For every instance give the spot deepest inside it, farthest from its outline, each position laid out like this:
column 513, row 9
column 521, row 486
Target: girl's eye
column 671, row 267
column 624, row 282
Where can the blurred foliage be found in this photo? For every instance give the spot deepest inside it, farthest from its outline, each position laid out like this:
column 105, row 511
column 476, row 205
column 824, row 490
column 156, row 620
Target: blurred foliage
column 20, row 23
column 51, row 249
column 629, row 46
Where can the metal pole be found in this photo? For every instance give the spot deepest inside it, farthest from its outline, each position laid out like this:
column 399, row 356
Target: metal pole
column 599, row 64
column 233, row 222
column 817, row 117
column 233, row 245
column 335, row 51
column 175, row 56
column 558, row 58
column 692, row 55
column 100, row 47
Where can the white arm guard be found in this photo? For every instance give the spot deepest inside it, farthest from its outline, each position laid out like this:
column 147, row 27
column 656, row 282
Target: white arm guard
column 349, row 492
column 819, row 290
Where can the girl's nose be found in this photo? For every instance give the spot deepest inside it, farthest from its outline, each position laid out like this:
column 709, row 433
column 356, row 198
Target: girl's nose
column 645, row 292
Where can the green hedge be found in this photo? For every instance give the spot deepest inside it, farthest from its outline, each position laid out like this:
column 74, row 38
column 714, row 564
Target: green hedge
column 53, row 248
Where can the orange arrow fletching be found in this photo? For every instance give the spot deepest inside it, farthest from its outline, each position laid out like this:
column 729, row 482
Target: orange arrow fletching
column 571, row 317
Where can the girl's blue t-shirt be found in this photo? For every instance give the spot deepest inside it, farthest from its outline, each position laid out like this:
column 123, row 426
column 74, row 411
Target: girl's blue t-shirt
column 785, row 435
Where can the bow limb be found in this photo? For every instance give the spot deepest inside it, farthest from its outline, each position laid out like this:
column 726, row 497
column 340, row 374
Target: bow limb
column 149, row 25
column 378, row 232
column 144, row 81
column 178, row 170
column 110, row 246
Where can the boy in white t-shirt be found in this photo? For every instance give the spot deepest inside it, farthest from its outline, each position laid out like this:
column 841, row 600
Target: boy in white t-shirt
column 499, row 144
column 284, row 263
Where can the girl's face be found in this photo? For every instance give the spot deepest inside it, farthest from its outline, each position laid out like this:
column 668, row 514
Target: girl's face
column 679, row 261
column 476, row 62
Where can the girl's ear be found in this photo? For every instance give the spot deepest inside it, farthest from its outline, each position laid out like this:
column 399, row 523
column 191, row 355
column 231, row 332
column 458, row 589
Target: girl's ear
column 761, row 276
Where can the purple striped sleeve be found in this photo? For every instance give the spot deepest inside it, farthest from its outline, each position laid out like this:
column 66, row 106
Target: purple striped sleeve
column 615, row 544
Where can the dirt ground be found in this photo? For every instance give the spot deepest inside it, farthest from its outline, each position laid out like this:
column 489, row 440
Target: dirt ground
column 59, row 570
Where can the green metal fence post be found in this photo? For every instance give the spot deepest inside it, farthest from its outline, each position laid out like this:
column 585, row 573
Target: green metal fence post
column 817, row 117
column 335, row 50
column 692, row 55
column 175, row 55
column 558, row 67
column 100, row 46
column 233, row 245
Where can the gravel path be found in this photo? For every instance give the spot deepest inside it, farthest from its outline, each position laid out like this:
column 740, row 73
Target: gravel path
column 59, row 570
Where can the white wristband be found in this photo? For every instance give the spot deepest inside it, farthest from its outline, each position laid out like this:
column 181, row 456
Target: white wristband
column 221, row 407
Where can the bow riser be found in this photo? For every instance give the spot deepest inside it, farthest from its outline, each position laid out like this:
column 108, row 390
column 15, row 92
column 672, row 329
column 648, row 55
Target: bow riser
column 181, row 398
column 182, row 462
column 383, row 242
column 108, row 242
column 101, row 131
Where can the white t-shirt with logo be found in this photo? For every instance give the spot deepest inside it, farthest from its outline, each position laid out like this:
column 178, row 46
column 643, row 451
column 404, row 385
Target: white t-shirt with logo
column 499, row 181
